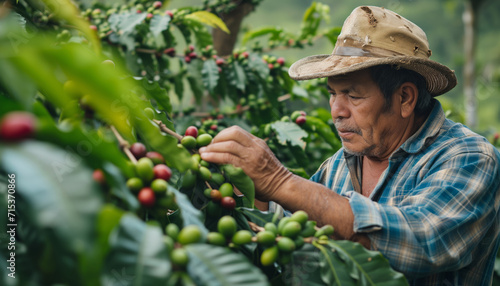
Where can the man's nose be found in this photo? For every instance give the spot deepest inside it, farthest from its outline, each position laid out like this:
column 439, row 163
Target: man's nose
column 339, row 107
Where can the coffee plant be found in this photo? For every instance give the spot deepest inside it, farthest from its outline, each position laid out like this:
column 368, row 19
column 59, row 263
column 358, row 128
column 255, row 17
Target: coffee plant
column 100, row 178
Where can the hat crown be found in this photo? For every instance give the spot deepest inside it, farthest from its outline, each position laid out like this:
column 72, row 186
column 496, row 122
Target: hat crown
column 375, row 31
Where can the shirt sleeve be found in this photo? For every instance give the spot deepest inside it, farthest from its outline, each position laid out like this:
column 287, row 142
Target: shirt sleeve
column 436, row 226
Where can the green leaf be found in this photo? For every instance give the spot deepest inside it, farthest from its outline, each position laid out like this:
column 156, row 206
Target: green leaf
column 242, row 182
column 257, row 65
column 250, row 35
column 317, row 125
column 333, row 270
column 209, row 19
column 365, row 266
column 210, row 74
column 156, row 92
column 195, row 80
column 190, row 214
column 312, row 19
column 304, row 268
column 17, row 84
column 256, row 216
column 138, row 255
column 126, row 23
column 158, row 24
column 55, row 190
column 212, row 265
column 289, row 132
column 237, row 76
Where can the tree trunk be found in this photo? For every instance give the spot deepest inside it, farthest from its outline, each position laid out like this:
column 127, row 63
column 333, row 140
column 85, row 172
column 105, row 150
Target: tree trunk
column 470, row 28
column 223, row 42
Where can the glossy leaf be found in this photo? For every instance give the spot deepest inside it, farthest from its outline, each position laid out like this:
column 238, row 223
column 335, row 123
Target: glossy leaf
column 138, row 255
column 210, row 74
column 212, row 265
column 289, row 132
column 158, row 24
column 237, row 76
column 190, row 214
column 242, row 182
column 209, row 19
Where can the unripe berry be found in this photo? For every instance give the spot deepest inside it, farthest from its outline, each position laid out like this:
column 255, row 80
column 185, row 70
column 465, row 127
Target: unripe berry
column 17, row 125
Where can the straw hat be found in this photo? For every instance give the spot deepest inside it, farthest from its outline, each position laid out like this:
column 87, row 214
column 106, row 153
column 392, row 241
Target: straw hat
column 374, row 36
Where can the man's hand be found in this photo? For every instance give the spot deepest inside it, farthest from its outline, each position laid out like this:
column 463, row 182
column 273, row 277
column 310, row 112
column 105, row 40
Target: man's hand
column 238, row 147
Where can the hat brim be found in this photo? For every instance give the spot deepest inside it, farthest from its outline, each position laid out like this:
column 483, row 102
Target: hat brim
column 440, row 79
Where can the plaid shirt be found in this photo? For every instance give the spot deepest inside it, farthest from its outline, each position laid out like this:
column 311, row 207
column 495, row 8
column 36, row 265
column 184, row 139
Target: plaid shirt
column 434, row 212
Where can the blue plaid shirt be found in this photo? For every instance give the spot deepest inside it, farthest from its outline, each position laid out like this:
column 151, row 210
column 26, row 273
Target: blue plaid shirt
column 434, row 212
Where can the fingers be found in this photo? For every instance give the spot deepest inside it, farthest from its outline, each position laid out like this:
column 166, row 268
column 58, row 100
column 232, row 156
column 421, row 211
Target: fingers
column 230, row 146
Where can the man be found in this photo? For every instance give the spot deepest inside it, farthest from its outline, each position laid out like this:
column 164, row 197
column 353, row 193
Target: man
column 421, row 189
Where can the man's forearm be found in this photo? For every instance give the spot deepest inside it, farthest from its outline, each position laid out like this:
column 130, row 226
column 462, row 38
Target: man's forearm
column 322, row 204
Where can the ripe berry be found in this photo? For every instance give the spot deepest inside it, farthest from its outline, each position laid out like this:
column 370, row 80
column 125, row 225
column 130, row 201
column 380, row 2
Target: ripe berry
column 215, row 195
column 280, row 61
column 17, row 125
column 169, row 51
column 157, row 4
column 192, row 131
column 162, row 171
column 156, row 157
column 187, row 59
column 219, row 61
column 93, row 27
column 192, row 55
column 146, row 197
column 98, row 176
column 213, row 127
column 245, row 55
column 301, row 120
column 138, row 150
column 191, row 48
column 228, row 203
column 169, row 13
column 270, row 66
column 149, row 16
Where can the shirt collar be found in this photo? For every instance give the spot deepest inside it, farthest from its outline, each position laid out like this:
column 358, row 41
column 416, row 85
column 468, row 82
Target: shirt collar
column 428, row 130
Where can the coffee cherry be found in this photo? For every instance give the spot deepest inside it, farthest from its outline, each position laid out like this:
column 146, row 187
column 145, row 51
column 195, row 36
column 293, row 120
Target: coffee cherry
column 149, row 112
column 213, row 209
column 159, row 186
column 300, row 216
column 157, row 4
column 226, row 190
column 266, row 238
column 191, row 131
column 301, row 120
column 282, row 223
column 169, row 243
column 325, row 230
column 138, row 150
column 291, row 229
column 172, row 230
column 149, row 16
column 299, row 242
column 269, row 226
column 269, row 256
column 169, row 13
column 228, row 203
column 189, row 142
column 169, row 51
column 156, row 157
column 219, row 61
column 308, row 229
column 242, row 237
column 135, row 184
column 227, row 226
column 17, row 125
column 144, row 169
column 286, row 244
column 244, row 55
column 93, row 27
column 203, row 140
column 215, row 195
column 162, row 171
column 189, row 179
column 205, row 173
column 218, row 179
column 98, row 176
column 189, row 234
column 280, row 61
column 216, row 238
column 207, row 193
column 146, row 197
column 179, row 257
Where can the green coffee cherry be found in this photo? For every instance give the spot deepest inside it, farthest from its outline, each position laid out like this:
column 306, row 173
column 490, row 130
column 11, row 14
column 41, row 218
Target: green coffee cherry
column 189, row 179
column 216, row 238
column 189, row 234
column 203, row 140
column 269, row 226
column 282, row 223
column 218, row 179
column 179, row 257
column 172, row 230
column 204, row 163
column 300, row 217
column 227, row 226
column 207, row 192
column 144, row 169
column 299, row 242
column 242, row 237
column 266, row 238
column 226, row 190
column 159, row 186
column 135, row 184
column 169, row 243
column 269, row 256
column 205, row 173
column 291, row 229
column 286, row 244
column 189, row 142
column 309, row 229
column 325, row 230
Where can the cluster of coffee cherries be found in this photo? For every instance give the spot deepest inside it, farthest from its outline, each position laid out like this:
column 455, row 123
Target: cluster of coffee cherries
column 150, row 182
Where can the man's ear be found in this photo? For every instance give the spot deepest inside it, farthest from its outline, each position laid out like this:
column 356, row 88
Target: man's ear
column 408, row 93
